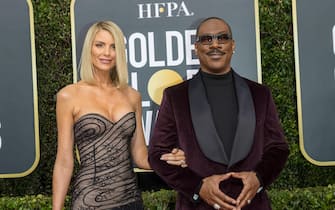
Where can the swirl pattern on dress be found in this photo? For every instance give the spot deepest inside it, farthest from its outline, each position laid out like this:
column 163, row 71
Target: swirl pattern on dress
column 105, row 179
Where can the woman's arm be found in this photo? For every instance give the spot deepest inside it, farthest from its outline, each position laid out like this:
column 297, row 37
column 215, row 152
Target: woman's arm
column 64, row 163
column 139, row 148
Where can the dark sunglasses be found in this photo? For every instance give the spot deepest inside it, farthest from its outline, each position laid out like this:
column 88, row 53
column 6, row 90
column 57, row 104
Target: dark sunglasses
column 207, row 39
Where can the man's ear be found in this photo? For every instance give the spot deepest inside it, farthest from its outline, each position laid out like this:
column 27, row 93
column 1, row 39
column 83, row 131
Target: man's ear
column 196, row 49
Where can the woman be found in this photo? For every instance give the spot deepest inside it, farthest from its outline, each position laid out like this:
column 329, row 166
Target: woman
column 101, row 114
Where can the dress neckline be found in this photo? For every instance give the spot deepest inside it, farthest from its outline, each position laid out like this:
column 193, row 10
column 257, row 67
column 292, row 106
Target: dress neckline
column 84, row 116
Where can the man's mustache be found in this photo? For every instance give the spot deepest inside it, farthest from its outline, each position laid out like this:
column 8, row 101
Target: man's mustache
column 216, row 52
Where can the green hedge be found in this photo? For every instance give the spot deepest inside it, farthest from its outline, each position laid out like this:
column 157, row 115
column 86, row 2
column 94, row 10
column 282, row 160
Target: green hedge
column 321, row 198
column 54, row 70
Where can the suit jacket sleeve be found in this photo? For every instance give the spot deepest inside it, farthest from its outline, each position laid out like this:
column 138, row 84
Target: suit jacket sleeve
column 163, row 140
column 275, row 148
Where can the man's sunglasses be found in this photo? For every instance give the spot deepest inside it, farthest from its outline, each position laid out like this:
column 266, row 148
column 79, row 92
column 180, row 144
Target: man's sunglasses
column 207, row 39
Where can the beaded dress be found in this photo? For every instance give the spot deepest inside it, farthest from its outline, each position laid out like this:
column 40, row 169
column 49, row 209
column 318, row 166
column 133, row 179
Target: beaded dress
column 105, row 179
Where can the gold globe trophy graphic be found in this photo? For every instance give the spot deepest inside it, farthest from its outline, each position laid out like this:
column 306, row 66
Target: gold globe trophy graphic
column 159, row 81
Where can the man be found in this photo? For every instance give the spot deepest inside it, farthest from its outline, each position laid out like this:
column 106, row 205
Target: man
column 227, row 126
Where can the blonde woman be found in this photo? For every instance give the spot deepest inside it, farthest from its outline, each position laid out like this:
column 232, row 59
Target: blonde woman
column 101, row 114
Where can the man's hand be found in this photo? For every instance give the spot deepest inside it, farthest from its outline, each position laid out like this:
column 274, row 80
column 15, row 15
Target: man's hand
column 211, row 193
column 250, row 187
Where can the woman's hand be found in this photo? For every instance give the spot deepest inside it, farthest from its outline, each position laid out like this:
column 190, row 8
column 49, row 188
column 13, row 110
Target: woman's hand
column 176, row 157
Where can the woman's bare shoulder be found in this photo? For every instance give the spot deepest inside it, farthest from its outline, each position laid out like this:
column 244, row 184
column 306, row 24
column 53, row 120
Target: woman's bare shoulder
column 66, row 92
column 71, row 91
column 132, row 93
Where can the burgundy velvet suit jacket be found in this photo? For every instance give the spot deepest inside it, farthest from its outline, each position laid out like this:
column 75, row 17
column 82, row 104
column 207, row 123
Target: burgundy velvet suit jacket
column 185, row 121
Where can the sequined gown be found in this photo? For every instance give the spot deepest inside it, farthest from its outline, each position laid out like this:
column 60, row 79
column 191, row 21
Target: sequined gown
column 105, row 179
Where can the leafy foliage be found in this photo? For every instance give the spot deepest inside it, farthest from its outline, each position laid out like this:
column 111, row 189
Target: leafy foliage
column 321, row 198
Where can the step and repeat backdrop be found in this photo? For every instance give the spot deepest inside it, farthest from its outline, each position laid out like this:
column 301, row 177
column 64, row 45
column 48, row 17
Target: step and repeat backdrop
column 314, row 38
column 160, row 39
column 19, row 140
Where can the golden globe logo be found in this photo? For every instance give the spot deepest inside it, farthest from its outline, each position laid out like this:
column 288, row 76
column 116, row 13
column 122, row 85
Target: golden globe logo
column 159, row 81
column 164, row 9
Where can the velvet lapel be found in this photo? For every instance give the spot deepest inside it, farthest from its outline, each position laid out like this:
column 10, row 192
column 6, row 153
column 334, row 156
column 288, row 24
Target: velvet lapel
column 246, row 123
column 203, row 124
column 204, row 127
